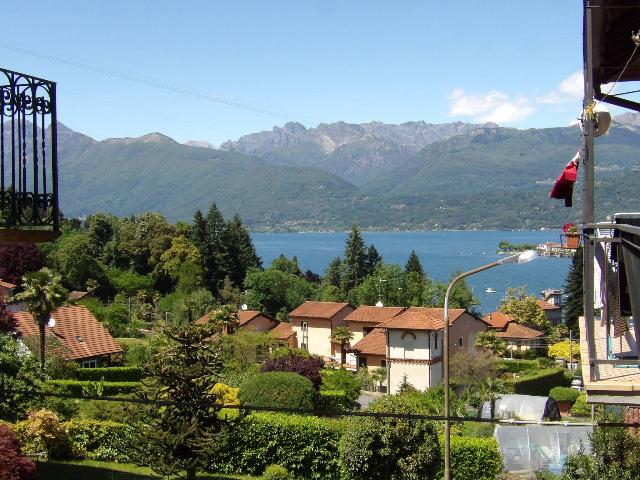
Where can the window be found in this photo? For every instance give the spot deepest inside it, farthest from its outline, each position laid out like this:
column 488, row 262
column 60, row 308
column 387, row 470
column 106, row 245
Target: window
column 362, row 362
column 367, row 330
column 304, row 326
column 435, row 340
column 89, row 364
column 460, row 341
column 383, row 363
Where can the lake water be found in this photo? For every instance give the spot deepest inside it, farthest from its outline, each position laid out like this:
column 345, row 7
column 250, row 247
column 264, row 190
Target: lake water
column 441, row 254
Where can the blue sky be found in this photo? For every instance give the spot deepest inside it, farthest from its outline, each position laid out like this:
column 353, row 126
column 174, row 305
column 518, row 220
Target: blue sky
column 516, row 63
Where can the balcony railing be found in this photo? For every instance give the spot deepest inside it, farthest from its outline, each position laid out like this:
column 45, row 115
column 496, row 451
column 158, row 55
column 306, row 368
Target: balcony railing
column 609, row 341
column 28, row 158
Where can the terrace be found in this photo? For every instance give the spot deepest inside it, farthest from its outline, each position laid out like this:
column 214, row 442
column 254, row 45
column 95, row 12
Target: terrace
column 609, row 335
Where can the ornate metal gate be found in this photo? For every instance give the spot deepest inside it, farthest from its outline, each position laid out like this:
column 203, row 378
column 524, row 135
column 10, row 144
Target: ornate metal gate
column 28, row 158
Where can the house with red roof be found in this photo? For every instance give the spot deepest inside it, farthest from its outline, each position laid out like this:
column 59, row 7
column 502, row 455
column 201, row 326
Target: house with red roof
column 283, row 332
column 80, row 336
column 314, row 322
column 6, row 290
column 552, row 311
column 518, row 337
column 414, row 344
column 251, row 320
column 361, row 322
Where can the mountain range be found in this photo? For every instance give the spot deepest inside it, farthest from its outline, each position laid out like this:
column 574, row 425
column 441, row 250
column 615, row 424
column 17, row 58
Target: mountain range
column 414, row 175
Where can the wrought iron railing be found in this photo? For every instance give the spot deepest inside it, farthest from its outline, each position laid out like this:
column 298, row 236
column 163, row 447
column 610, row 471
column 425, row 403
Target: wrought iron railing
column 28, row 157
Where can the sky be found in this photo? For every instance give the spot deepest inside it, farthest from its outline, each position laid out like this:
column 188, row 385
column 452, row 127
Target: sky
column 250, row 65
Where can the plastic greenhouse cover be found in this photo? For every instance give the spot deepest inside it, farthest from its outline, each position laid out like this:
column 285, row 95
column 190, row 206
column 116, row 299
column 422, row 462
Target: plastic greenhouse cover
column 532, row 448
column 518, row 407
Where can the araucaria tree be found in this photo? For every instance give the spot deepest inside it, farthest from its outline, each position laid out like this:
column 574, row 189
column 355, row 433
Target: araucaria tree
column 182, row 436
column 42, row 293
column 573, row 288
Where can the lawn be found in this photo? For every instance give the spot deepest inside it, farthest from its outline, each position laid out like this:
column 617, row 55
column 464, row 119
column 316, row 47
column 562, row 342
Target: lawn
column 93, row 470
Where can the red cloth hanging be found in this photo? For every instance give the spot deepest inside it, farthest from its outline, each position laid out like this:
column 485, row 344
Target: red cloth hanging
column 563, row 188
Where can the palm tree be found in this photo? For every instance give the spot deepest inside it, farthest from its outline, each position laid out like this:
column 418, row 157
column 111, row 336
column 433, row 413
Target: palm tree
column 226, row 317
column 42, row 293
column 379, row 375
column 342, row 335
column 491, row 390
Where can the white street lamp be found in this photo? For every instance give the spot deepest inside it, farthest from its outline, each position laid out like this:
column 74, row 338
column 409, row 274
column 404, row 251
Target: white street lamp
column 523, row 257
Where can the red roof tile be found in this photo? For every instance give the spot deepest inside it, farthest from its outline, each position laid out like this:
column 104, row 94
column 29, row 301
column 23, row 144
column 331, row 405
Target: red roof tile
column 282, row 331
column 319, row 309
column 370, row 314
column 498, row 319
column 374, row 343
column 422, row 318
column 244, row 317
column 7, row 285
column 547, row 306
column 77, row 329
column 516, row 331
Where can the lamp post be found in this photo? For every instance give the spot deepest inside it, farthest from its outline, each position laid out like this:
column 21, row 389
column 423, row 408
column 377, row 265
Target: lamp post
column 523, row 257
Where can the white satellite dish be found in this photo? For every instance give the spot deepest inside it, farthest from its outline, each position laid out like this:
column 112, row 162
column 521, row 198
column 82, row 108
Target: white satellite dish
column 604, row 120
column 379, row 304
column 243, row 306
column 51, row 323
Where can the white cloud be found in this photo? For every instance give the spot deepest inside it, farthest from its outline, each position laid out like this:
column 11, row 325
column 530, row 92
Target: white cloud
column 494, row 106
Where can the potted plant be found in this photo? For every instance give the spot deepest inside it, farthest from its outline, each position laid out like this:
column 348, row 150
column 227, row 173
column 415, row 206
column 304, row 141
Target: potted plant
column 571, row 235
column 565, row 397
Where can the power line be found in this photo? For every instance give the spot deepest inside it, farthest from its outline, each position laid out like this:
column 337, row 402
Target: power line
column 152, row 83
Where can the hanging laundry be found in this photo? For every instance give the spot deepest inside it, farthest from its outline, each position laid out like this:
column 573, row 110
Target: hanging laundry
column 563, row 188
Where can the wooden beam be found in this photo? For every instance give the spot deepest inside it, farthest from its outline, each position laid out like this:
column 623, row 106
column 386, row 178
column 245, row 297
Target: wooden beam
column 27, row 236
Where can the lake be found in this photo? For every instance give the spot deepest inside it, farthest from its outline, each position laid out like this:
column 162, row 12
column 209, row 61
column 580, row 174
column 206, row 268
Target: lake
column 441, row 253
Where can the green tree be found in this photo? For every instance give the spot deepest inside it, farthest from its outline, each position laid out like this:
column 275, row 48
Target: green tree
column 184, row 436
column 524, row 309
column 181, row 251
column 372, row 260
column 490, row 342
column 101, row 228
column 237, row 252
column 343, row 336
column 206, row 234
column 573, row 308
column 225, row 318
column 42, row 293
column 272, row 290
column 461, row 295
column 379, row 375
column 283, row 264
column 354, row 259
column 18, row 372
column 413, row 264
column 334, row 272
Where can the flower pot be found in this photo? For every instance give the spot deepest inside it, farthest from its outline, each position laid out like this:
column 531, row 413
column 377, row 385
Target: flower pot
column 572, row 240
column 563, row 408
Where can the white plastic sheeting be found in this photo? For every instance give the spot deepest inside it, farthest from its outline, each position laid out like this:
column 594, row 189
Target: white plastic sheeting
column 527, row 449
column 521, row 407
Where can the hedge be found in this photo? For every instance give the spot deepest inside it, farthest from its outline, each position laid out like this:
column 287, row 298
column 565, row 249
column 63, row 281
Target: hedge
column 539, row 383
column 110, row 374
column 306, row 446
column 278, row 389
column 564, row 394
column 475, row 458
column 76, row 387
column 520, row 366
column 100, row 440
column 333, row 401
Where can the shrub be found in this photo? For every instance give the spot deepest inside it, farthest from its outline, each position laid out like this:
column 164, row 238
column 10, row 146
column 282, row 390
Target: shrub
column 564, row 394
column 341, row 379
column 13, row 464
column 100, row 440
column 77, row 387
column 304, row 445
column 366, row 380
column 307, row 366
column 581, row 408
column 276, row 472
column 475, row 458
column 539, row 383
column 389, row 448
column 520, row 366
column 110, row 374
column 43, row 430
column 333, row 401
column 561, row 350
column 101, row 410
column 278, row 389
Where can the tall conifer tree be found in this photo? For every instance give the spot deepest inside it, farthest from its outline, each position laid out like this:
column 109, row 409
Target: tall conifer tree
column 413, row 264
column 372, row 260
column 573, row 290
column 237, row 252
column 354, row 259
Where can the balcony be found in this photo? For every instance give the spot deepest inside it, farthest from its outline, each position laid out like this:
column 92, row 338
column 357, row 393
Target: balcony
column 28, row 159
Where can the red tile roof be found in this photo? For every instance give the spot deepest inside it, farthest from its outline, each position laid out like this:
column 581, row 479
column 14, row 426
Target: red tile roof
column 319, row 309
column 547, row 305
column 422, row 318
column 370, row 314
column 77, row 329
column 374, row 343
column 516, row 331
column 498, row 319
column 244, row 317
column 7, row 284
column 282, row 331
